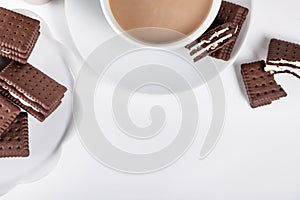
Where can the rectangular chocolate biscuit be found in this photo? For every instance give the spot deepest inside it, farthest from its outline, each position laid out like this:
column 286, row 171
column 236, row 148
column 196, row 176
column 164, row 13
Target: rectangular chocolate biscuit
column 213, row 40
column 31, row 89
column 8, row 113
column 15, row 142
column 261, row 86
column 229, row 13
column 283, row 57
column 35, row 112
column 18, row 35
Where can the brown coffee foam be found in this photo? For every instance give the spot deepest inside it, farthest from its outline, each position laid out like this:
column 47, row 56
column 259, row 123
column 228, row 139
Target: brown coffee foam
column 15, row 140
column 180, row 16
column 261, row 86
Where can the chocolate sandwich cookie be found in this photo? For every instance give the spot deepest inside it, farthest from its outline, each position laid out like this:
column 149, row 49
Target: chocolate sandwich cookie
column 8, row 113
column 261, row 86
column 213, row 40
column 229, row 13
column 31, row 89
column 18, row 35
column 14, row 142
column 283, row 57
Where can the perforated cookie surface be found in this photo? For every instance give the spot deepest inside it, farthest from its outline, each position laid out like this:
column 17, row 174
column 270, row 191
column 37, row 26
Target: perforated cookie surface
column 15, row 142
column 232, row 13
column 279, row 49
column 18, row 35
column 32, row 85
column 8, row 113
column 261, row 86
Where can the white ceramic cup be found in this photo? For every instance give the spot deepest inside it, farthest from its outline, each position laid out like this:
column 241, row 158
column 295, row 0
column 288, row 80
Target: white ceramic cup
column 37, row 2
column 173, row 45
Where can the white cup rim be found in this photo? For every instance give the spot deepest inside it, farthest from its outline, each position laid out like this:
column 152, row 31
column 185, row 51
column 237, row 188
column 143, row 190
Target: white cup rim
column 175, row 45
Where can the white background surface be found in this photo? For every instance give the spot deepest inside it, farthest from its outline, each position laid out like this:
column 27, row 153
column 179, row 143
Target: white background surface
column 258, row 156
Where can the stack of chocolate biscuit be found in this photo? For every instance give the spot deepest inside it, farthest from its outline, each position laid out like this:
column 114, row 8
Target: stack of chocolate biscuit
column 261, row 87
column 22, row 86
column 220, row 38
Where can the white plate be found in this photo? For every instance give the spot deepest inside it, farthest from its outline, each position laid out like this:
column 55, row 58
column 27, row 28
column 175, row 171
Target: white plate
column 89, row 28
column 44, row 138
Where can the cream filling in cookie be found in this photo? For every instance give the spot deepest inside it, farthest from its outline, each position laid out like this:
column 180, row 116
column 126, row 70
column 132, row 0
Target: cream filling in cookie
column 278, row 68
column 23, row 101
column 212, row 46
column 285, row 62
column 6, row 52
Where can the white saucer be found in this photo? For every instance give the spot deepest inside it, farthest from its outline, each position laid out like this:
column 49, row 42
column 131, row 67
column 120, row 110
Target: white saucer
column 257, row 158
column 89, row 29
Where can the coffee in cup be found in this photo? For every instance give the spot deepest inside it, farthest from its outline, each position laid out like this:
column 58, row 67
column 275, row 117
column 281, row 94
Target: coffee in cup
column 160, row 21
